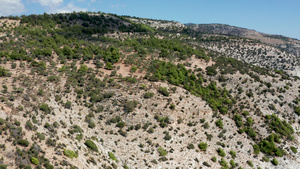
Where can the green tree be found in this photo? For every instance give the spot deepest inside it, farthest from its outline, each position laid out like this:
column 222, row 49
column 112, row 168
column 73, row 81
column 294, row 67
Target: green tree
column 130, row 106
column 70, row 153
column 112, row 156
column 34, row 161
column 256, row 148
column 45, row 108
column 274, row 162
column 90, row 144
column 219, row 123
column 221, row 152
column 203, row 146
column 162, row 151
column 3, row 72
column 83, row 69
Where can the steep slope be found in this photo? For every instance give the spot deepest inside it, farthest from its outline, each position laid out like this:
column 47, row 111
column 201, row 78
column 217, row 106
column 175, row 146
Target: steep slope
column 99, row 91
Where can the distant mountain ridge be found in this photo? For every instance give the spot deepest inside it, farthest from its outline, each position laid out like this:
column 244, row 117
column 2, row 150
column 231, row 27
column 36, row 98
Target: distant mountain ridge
column 288, row 44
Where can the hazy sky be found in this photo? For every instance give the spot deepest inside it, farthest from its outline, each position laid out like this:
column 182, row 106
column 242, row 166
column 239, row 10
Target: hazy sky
column 268, row 16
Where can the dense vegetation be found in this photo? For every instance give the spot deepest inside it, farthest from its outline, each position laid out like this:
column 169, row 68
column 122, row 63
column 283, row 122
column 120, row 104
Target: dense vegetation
column 218, row 99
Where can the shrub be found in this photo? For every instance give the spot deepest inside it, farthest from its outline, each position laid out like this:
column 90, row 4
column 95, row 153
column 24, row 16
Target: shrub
column 70, row 153
column 79, row 137
column 163, row 91
column 45, row 108
column 48, row 166
column 3, row 72
column 211, row 70
column 168, row 137
column 92, row 124
column 208, row 136
column 162, row 151
column 137, row 127
column 3, row 166
column 239, row 123
column 109, row 66
column 274, row 161
column 250, row 132
column 40, row 136
column 122, row 133
column 2, row 121
column 22, row 142
column 221, row 152
column 53, row 78
column 130, row 106
column 206, row 164
column 250, row 163
column 143, row 86
column 224, row 163
column 269, row 147
column 130, row 79
column 294, row 149
column 83, row 68
column 281, row 127
column 120, row 124
column 125, row 166
column 249, row 121
column 76, row 129
column 29, row 125
column 205, row 125
column 148, row 95
column 68, row 105
column 90, row 144
column 150, row 130
column 34, row 161
column 202, row 146
column 114, row 120
column 214, row 159
column 232, row 163
column 191, row 146
column 297, row 110
column 232, row 153
column 163, row 159
column 133, row 69
column 163, row 121
column 265, row 159
column 112, row 156
column 219, row 123
column 256, row 148
column 50, row 142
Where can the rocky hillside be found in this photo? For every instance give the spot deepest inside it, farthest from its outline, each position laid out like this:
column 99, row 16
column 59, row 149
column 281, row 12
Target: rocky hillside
column 289, row 44
column 270, row 51
column 254, row 53
column 86, row 90
column 284, row 45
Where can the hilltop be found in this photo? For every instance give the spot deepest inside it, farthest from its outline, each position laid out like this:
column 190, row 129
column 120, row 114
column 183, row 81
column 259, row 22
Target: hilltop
column 97, row 90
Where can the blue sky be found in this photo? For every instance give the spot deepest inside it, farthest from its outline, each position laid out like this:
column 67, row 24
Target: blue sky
column 268, row 16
